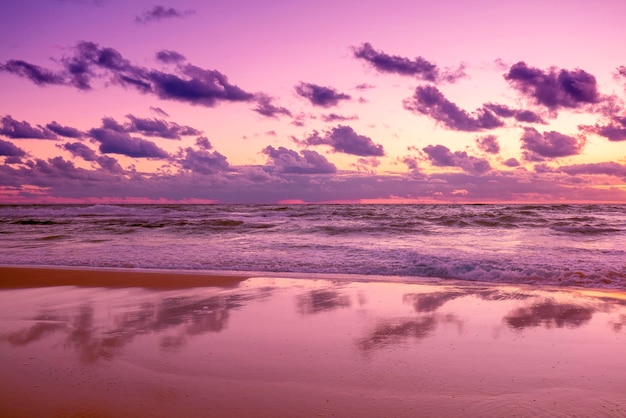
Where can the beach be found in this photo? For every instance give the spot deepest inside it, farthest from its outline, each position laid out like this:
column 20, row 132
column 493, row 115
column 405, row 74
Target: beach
column 118, row 342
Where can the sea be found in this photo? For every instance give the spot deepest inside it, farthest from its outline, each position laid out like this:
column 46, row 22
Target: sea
column 556, row 245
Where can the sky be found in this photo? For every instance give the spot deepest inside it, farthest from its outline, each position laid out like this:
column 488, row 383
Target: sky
column 281, row 101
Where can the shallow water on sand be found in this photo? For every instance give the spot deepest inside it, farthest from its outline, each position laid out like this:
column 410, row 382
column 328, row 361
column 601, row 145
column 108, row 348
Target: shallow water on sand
column 298, row 347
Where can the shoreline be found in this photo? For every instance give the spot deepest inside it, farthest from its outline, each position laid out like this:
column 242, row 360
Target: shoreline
column 15, row 276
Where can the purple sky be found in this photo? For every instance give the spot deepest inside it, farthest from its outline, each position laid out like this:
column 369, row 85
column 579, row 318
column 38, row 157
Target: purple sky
column 282, row 101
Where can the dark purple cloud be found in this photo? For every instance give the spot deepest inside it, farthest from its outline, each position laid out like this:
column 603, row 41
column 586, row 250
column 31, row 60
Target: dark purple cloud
column 160, row 13
column 488, row 143
column 615, row 130
column 170, row 57
column 333, row 117
column 203, row 162
column 610, row 168
column 266, row 108
column 38, row 75
column 8, row 149
column 109, row 164
column 195, row 86
column 65, row 131
column 511, row 162
column 504, row 111
column 159, row 111
column 89, row 62
column 114, row 142
column 554, row 88
column 442, row 157
column 418, row 67
column 159, row 128
column 345, row 139
column 290, row 162
column 15, row 129
column 429, row 101
column 78, row 149
column 538, row 147
column 320, row 95
column 203, row 143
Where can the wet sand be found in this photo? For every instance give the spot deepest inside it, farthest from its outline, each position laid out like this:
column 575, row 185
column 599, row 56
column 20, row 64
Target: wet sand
column 120, row 343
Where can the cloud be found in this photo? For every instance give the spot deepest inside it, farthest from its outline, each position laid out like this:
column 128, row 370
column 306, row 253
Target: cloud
column 159, row 128
column 511, row 162
column 504, row 111
column 333, row 117
column 158, row 13
column 442, row 157
column 109, row 164
column 114, row 142
column 488, row 144
column 537, row 147
column 610, row 168
column 203, row 161
column 429, row 101
column 89, row 62
column 321, row 96
column 266, row 108
column 81, row 150
column 197, row 86
column 615, row 130
column 38, row 75
column 554, row 88
column 65, row 131
column 290, row 162
column 418, row 67
column 159, row 111
column 203, row 143
column 170, row 57
column 12, row 128
column 8, row 149
column 345, row 139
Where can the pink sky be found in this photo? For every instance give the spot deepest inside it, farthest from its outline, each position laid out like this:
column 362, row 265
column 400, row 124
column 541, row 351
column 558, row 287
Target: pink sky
column 282, row 101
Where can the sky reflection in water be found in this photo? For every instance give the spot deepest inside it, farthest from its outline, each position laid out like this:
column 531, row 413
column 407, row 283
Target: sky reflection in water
column 485, row 347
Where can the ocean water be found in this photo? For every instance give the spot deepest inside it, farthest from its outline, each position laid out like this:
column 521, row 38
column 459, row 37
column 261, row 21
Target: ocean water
column 565, row 245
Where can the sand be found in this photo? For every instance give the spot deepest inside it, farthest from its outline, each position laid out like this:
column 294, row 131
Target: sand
column 121, row 343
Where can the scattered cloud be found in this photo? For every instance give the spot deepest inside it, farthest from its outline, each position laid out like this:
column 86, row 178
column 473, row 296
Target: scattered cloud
column 89, row 62
column 38, row 75
column 78, row 149
column 204, row 162
column 441, row 156
column 170, row 57
column 615, row 130
column 504, row 111
column 320, row 95
column 333, row 117
column 554, row 88
column 203, row 143
column 15, row 129
column 115, row 142
column 290, row 162
column 8, row 149
column 537, row 147
column 158, row 13
column 65, row 131
column 429, row 101
column 418, row 67
column 511, row 162
column 344, row 139
column 488, row 143
column 609, row 168
column 266, row 108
